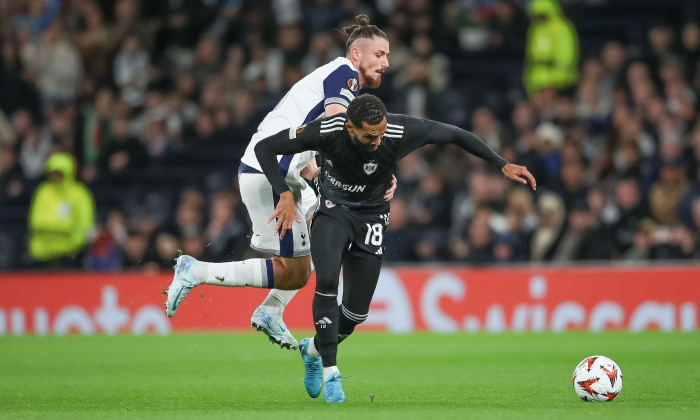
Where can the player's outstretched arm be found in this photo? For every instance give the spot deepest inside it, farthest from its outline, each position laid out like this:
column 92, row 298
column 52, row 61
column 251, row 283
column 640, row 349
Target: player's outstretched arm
column 424, row 131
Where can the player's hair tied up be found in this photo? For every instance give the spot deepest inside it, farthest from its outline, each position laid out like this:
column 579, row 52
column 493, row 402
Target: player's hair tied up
column 361, row 29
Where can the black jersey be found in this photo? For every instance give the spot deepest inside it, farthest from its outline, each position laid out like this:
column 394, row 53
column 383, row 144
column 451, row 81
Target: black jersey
column 351, row 177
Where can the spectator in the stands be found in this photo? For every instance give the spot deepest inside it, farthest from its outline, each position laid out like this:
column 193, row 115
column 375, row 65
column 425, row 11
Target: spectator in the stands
column 583, row 239
column 124, row 152
column 572, row 186
column 613, row 58
column 96, row 42
column 105, row 251
column 480, row 239
column 225, row 233
column 631, row 210
column 163, row 251
column 642, row 242
column 97, row 130
column 400, row 237
column 134, row 250
column 131, row 70
column 417, row 97
column 61, row 216
column 11, row 176
column 668, row 191
column 690, row 49
column 552, row 51
column 521, row 220
column 322, row 50
column 487, row 127
column 661, row 43
column 34, row 150
column 549, row 139
column 430, row 209
column 684, row 208
column 551, row 218
column 505, row 249
column 54, row 63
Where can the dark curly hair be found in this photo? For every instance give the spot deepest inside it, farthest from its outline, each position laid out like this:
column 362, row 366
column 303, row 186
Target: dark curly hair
column 366, row 108
column 361, row 29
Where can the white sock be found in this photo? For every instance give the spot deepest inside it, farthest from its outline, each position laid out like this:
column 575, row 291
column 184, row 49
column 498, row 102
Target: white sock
column 328, row 371
column 255, row 272
column 200, row 272
column 277, row 300
column 311, row 350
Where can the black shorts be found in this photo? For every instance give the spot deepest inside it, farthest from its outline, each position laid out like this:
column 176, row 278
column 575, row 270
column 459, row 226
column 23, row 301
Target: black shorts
column 366, row 231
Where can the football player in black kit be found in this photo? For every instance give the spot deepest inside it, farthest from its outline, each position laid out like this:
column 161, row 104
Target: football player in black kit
column 359, row 153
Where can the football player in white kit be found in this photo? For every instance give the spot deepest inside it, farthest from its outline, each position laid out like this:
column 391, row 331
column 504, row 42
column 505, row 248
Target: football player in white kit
column 328, row 90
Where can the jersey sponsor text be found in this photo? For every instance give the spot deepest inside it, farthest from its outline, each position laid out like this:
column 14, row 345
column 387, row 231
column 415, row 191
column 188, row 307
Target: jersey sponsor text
column 344, row 187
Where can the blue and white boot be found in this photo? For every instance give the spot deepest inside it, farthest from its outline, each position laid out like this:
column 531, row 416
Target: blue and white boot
column 182, row 285
column 313, row 370
column 333, row 389
column 273, row 326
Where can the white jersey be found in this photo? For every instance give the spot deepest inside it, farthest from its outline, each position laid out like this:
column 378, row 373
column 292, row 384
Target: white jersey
column 334, row 83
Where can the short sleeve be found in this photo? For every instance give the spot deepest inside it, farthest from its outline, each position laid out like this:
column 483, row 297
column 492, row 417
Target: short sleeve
column 341, row 86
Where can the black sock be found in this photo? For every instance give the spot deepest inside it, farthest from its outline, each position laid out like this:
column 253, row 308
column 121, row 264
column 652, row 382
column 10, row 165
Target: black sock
column 325, row 310
column 345, row 325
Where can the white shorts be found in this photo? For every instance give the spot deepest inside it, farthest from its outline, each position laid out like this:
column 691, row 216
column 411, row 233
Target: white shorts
column 261, row 201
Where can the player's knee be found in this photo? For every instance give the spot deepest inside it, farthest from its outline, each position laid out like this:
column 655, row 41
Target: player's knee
column 326, row 284
column 328, row 276
column 299, row 278
column 293, row 281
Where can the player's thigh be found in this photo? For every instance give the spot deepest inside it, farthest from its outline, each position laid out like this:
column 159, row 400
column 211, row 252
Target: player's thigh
column 328, row 249
column 360, row 276
column 260, row 200
column 258, row 197
column 369, row 232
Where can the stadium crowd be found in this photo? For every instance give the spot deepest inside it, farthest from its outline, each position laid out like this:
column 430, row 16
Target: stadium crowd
column 156, row 101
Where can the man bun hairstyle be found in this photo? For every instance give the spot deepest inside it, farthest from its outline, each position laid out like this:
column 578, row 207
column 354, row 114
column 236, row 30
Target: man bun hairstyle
column 361, row 29
column 366, row 108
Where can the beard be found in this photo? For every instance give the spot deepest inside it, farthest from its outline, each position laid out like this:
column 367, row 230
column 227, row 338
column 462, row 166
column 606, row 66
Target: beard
column 372, row 79
column 373, row 82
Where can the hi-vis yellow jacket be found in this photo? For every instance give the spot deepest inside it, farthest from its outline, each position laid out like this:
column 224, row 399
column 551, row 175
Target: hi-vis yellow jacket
column 552, row 51
column 61, row 214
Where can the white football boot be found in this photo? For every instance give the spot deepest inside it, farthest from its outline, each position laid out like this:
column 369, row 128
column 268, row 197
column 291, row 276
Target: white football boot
column 183, row 283
column 273, row 325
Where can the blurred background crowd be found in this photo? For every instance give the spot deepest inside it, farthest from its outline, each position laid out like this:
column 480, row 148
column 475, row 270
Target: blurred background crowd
column 122, row 123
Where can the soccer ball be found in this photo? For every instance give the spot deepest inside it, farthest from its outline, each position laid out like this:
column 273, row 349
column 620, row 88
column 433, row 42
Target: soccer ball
column 597, row 378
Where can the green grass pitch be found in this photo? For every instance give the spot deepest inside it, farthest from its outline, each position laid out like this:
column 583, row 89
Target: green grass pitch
column 414, row 376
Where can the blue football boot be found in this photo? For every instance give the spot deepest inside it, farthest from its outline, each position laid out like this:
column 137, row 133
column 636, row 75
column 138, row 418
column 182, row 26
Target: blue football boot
column 313, row 370
column 333, row 389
